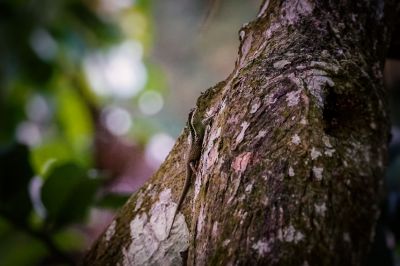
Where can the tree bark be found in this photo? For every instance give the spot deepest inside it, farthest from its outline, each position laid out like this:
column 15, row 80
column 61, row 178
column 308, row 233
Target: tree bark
column 293, row 159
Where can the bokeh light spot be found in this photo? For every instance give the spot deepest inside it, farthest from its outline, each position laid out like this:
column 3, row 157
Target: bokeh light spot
column 118, row 72
column 158, row 148
column 150, row 102
column 117, row 120
column 28, row 133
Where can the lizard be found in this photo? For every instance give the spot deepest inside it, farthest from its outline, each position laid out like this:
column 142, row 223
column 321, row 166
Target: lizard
column 196, row 134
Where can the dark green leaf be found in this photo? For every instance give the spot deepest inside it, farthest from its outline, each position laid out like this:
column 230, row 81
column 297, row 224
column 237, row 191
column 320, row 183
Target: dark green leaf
column 15, row 175
column 67, row 194
column 17, row 248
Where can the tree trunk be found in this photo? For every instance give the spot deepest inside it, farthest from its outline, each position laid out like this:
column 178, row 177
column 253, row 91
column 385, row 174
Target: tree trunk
column 293, row 158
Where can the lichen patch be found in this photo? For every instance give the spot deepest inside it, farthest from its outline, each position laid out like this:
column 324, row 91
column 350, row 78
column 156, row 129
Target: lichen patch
column 290, row 234
column 315, row 153
column 315, row 80
column 255, row 106
column 261, row 134
column 139, row 202
column 293, row 98
column 240, row 163
column 326, row 141
column 346, row 237
column 151, row 244
column 291, row 171
column 240, row 137
column 329, row 152
column 212, row 157
column 281, row 64
column 110, row 231
column 262, row 247
column 226, row 242
column 296, row 9
column 215, row 231
column 263, row 8
column 296, row 139
column 320, row 208
column 249, row 188
column 318, row 172
column 201, row 220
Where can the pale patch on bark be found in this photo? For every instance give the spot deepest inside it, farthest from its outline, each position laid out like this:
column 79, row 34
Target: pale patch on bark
column 200, row 221
column 110, row 231
column 211, row 149
column 296, row 139
column 139, row 202
column 215, row 231
column 246, row 45
column 263, row 8
column 315, row 153
column 318, row 172
column 226, row 242
column 214, row 134
column 241, row 161
column 320, row 209
column 223, row 106
column 293, row 98
column 150, row 242
column 326, row 141
column 212, row 157
column 346, row 237
column 240, row 137
column 292, row 12
column 325, row 53
column 296, row 9
column 236, row 184
column 273, row 28
column 291, row 171
column 325, row 65
column 329, row 152
column 270, row 99
column 249, row 188
column 315, row 80
column 255, row 106
column 262, row 247
column 261, row 134
column 265, row 201
column 281, row 64
column 290, row 234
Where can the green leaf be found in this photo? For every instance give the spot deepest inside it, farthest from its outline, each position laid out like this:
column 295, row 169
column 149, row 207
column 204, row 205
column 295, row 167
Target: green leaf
column 15, row 175
column 19, row 249
column 68, row 194
column 52, row 151
column 75, row 121
column 70, row 240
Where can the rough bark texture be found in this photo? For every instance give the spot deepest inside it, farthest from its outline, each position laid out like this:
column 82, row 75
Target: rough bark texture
column 293, row 159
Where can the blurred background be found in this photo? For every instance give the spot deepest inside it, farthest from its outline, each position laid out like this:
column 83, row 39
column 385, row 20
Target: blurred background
column 93, row 94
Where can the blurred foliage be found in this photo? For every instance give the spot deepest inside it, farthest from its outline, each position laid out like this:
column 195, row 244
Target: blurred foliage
column 67, row 194
column 15, row 173
column 47, row 183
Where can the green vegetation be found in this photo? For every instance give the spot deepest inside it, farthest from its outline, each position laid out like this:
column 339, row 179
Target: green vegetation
column 62, row 65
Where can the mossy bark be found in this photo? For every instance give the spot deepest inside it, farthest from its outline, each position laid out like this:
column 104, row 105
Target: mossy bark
column 293, row 158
